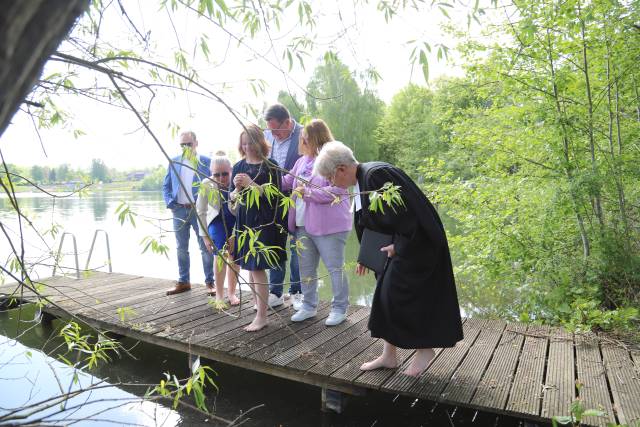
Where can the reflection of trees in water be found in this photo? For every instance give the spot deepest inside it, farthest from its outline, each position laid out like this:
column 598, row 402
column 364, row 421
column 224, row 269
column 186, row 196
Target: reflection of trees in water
column 99, row 206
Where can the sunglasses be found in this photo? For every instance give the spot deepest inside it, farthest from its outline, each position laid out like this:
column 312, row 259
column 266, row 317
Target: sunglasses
column 186, row 144
column 219, row 174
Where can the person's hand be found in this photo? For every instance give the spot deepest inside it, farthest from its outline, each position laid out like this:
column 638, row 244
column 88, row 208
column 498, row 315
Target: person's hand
column 208, row 244
column 390, row 250
column 242, row 180
column 299, row 189
column 361, row 270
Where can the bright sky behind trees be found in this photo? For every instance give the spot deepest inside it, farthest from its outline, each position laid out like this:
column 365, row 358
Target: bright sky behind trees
column 359, row 35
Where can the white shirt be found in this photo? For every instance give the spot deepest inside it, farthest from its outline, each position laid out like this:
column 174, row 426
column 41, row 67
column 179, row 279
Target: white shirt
column 186, row 177
column 357, row 202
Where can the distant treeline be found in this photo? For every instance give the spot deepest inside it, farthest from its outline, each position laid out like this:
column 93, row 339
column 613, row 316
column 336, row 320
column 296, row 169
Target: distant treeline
column 142, row 179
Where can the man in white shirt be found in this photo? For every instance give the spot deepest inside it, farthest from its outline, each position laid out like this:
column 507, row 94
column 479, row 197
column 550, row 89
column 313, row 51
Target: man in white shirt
column 189, row 168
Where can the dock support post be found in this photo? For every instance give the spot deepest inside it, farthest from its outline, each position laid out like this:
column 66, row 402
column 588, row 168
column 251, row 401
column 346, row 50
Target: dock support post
column 332, row 400
column 47, row 318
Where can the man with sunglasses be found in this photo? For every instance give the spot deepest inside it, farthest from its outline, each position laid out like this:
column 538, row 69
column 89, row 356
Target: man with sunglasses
column 283, row 135
column 180, row 190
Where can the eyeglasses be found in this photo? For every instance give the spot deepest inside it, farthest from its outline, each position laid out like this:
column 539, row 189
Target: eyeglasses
column 219, row 174
column 186, row 144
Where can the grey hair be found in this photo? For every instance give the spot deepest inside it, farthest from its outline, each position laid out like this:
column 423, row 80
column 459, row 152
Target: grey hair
column 190, row 133
column 220, row 158
column 332, row 155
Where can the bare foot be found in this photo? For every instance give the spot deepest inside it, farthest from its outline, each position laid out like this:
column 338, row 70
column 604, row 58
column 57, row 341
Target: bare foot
column 256, row 325
column 381, row 362
column 234, row 300
column 420, row 361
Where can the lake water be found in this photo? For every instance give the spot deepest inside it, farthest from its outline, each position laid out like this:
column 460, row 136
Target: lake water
column 28, row 349
column 83, row 216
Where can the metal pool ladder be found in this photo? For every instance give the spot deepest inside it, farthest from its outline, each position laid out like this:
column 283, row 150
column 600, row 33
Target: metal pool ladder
column 75, row 251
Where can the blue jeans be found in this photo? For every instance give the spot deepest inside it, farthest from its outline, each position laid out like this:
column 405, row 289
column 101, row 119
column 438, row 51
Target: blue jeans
column 277, row 275
column 184, row 219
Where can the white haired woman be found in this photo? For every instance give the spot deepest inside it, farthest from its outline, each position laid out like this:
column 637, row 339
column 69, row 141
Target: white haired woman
column 415, row 305
column 213, row 210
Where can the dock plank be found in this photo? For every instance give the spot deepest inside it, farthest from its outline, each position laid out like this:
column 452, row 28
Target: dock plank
column 559, row 388
column 526, row 393
column 283, row 358
column 496, row 382
column 465, row 380
column 324, row 351
column 594, row 390
column 434, row 380
column 624, row 380
column 262, row 340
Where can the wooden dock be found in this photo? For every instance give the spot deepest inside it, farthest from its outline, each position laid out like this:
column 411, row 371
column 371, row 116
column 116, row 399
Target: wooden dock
column 518, row 370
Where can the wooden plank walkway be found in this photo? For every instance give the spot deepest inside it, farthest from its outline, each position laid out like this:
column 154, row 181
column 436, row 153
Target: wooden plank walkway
column 529, row 372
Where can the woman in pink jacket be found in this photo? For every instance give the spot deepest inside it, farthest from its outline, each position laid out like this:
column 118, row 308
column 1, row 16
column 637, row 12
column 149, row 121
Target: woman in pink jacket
column 321, row 221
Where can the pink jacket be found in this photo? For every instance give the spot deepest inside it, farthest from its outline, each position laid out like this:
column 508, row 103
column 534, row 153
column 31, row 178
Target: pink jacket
column 322, row 215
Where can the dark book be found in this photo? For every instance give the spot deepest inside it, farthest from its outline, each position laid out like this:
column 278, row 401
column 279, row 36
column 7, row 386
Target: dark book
column 370, row 254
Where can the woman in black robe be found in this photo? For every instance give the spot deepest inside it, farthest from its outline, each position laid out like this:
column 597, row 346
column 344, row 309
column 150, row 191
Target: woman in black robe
column 415, row 305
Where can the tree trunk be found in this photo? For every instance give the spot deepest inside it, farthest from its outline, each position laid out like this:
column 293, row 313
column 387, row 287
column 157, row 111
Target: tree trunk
column 30, row 30
column 586, row 249
column 592, row 145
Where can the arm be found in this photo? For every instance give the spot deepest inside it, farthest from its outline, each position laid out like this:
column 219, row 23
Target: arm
column 289, row 179
column 202, row 206
column 167, row 190
column 325, row 195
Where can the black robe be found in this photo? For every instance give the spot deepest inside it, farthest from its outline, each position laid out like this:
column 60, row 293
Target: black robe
column 415, row 304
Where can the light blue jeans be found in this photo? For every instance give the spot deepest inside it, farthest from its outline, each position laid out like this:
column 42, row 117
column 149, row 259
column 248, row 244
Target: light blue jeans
column 184, row 220
column 277, row 275
column 331, row 249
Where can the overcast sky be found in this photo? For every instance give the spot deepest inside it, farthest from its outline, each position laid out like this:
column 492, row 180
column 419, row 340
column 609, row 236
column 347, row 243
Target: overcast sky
column 115, row 136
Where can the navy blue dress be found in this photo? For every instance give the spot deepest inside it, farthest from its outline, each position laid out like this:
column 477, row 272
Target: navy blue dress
column 267, row 219
column 222, row 225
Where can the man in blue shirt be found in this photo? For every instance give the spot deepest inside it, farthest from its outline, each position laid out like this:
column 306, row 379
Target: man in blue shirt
column 189, row 168
column 283, row 135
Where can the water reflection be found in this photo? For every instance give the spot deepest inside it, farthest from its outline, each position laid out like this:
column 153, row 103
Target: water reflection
column 31, row 383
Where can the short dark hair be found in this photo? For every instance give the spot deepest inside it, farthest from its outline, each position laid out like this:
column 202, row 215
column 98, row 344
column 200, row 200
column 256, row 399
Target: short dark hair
column 278, row 112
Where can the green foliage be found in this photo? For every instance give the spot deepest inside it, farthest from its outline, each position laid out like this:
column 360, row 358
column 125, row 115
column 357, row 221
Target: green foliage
column 173, row 388
column 531, row 160
column 99, row 171
column 87, row 354
column 156, row 245
column 153, row 181
column 125, row 214
column 578, row 414
column 351, row 113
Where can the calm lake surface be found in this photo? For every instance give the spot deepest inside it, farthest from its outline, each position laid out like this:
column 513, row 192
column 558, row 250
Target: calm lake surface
column 28, row 349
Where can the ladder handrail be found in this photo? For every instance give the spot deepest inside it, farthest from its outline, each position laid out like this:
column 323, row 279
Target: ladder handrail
column 95, row 236
column 75, row 253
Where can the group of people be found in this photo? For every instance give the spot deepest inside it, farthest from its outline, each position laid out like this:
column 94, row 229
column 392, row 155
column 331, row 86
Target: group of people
column 237, row 213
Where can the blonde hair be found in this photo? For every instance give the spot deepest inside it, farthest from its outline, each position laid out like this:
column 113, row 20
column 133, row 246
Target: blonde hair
column 256, row 138
column 318, row 134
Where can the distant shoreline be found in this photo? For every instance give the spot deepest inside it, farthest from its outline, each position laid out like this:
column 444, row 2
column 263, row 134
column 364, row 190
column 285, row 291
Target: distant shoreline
column 67, row 188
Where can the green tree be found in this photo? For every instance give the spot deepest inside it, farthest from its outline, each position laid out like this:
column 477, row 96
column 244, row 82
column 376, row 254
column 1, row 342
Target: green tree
column 37, row 173
column 295, row 107
column 351, row 113
column 99, row 171
column 63, row 173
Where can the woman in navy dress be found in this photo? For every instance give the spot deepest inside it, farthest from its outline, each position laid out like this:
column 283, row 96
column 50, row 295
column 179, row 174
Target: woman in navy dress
column 255, row 173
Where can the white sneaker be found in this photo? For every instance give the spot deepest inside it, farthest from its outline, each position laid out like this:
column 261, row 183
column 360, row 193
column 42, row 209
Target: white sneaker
column 303, row 315
column 296, row 301
column 275, row 301
column 335, row 318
